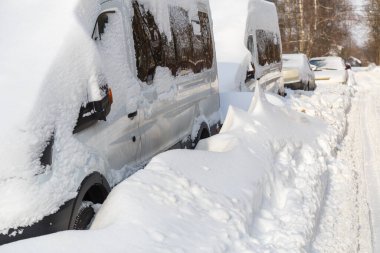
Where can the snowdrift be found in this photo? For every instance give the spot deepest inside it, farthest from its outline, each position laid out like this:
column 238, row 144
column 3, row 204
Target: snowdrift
column 257, row 186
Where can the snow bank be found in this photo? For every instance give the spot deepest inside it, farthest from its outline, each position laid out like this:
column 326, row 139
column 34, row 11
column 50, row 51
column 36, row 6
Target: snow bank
column 257, row 186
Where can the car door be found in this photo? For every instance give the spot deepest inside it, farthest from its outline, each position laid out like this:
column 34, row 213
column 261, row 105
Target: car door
column 116, row 140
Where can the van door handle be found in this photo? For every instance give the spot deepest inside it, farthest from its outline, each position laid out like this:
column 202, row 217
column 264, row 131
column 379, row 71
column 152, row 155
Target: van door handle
column 132, row 115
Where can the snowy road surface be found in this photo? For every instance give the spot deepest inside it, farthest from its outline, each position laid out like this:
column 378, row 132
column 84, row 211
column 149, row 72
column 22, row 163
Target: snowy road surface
column 369, row 118
column 300, row 174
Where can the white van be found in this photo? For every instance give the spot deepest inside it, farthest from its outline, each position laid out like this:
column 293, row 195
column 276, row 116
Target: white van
column 126, row 79
column 248, row 45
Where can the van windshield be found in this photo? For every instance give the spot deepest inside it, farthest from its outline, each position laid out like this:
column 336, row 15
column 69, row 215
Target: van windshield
column 268, row 47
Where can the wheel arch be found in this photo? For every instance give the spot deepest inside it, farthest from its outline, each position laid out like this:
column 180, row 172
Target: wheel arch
column 94, row 188
column 203, row 133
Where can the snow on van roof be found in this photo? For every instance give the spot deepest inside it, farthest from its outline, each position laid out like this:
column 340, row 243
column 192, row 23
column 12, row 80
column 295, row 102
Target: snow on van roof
column 265, row 15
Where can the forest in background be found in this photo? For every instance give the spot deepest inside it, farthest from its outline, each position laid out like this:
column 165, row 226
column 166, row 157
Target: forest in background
column 328, row 27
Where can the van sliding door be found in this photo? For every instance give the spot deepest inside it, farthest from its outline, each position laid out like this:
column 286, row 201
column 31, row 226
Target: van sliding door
column 117, row 140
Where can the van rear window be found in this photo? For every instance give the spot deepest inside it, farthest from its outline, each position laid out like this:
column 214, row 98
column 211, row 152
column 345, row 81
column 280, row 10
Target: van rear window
column 189, row 51
column 268, row 47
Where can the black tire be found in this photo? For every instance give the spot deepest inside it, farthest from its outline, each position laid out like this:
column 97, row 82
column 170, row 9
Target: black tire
column 84, row 217
column 94, row 189
column 203, row 133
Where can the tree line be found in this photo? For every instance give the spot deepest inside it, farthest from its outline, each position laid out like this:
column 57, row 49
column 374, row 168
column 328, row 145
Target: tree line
column 325, row 27
column 372, row 46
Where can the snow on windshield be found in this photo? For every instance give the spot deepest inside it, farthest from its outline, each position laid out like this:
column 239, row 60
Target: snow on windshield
column 328, row 63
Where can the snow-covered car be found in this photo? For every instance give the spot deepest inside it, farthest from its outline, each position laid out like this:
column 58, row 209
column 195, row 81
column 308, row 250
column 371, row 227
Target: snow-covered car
column 248, row 45
column 330, row 70
column 297, row 73
column 354, row 62
column 67, row 138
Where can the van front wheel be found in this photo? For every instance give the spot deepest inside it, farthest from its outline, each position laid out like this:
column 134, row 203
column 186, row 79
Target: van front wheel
column 84, row 217
column 307, row 87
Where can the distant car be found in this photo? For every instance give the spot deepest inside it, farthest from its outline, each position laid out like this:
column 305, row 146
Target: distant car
column 330, row 70
column 297, row 72
column 354, row 62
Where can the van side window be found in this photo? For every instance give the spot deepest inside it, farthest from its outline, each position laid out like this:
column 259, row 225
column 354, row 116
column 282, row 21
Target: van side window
column 100, row 25
column 189, row 50
column 268, row 47
column 207, row 39
column 148, row 43
column 250, row 43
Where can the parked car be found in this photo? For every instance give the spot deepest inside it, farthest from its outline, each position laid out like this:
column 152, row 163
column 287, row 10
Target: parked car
column 248, row 44
column 81, row 138
column 330, row 70
column 297, row 72
column 354, row 62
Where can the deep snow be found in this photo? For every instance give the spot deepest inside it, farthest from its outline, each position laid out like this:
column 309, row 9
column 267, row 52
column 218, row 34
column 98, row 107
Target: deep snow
column 265, row 183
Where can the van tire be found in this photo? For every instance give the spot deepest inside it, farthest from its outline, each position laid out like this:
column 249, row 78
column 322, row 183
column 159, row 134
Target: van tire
column 84, row 217
column 93, row 190
column 307, row 87
column 203, row 133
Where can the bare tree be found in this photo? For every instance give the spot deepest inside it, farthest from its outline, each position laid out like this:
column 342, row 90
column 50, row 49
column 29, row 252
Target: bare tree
column 315, row 27
column 373, row 43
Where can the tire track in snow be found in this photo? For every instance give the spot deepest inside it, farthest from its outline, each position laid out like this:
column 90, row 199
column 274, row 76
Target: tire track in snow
column 369, row 125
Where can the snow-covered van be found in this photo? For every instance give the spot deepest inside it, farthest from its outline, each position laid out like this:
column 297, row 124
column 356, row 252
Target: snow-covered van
column 248, row 45
column 92, row 89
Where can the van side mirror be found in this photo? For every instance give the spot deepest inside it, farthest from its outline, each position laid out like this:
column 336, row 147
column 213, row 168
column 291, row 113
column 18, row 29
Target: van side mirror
column 313, row 67
column 348, row 66
column 250, row 73
column 101, row 22
column 92, row 112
